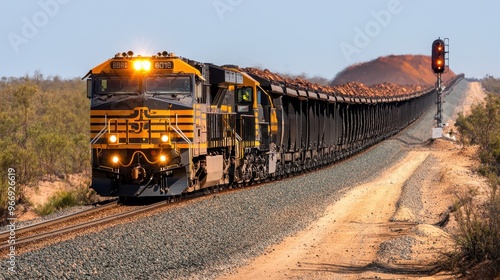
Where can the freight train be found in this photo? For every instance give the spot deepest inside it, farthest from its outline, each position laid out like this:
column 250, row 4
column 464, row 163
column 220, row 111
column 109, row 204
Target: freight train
column 164, row 125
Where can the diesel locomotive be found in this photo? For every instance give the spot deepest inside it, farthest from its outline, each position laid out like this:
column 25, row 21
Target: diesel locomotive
column 164, row 125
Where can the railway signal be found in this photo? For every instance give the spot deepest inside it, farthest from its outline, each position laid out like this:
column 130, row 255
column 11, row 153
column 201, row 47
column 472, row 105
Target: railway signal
column 438, row 56
column 438, row 65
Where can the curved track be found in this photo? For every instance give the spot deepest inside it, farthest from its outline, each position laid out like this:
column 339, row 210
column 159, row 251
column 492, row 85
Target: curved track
column 67, row 229
column 58, row 220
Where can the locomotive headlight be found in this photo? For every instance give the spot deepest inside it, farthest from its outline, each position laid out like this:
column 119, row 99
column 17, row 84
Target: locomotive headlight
column 144, row 65
column 113, row 139
column 164, row 138
column 115, row 159
column 163, row 158
column 138, row 64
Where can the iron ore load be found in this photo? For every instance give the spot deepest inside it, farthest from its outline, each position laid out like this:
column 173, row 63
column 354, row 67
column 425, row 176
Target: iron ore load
column 164, row 125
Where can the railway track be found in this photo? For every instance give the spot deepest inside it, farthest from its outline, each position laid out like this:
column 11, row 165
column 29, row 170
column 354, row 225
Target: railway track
column 71, row 223
column 61, row 219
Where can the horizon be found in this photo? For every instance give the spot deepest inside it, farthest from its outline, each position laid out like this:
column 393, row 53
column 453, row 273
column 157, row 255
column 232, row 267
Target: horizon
column 37, row 74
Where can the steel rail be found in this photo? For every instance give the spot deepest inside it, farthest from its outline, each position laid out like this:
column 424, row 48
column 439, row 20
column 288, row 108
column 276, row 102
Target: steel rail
column 45, row 235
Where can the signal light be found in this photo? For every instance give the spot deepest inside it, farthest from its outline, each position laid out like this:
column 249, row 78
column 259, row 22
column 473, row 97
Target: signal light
column 438, row 56
column 115, row 159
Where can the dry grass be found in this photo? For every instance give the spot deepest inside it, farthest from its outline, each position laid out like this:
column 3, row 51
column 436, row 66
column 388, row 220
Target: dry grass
column 478, row 236
column 82, row 195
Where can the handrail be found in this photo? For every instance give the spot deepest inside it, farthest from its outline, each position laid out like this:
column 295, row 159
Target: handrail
column 102, row 132
column 179, row 131
column 237, row 136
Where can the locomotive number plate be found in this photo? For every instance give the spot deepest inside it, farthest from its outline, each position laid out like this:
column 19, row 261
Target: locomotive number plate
column 119, row 65
column 163, row 65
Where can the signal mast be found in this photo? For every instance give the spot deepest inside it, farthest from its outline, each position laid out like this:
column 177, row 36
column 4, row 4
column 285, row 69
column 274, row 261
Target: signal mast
column 439, row 64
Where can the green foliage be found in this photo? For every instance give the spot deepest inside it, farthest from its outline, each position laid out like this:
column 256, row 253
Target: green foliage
column 3, row 199
column 491, row 84
column 478, row 231
column 58, row 201
column 44, row 128
column 81, row 195
column 482, row 127
column 86, row 195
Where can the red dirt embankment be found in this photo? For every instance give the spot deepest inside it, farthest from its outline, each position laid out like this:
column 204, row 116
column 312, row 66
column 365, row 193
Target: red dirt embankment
column 396, row 69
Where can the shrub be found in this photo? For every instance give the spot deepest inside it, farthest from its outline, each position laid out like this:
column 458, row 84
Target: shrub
column 3, row 200
column 81, row 195
column 478, row 235
column 58, row 201
column 482, row 128
column 86, row 195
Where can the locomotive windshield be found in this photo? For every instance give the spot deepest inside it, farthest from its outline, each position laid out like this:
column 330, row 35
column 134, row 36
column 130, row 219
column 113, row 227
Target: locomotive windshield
column 106, row 85
column 175, row 85
column 169, row 85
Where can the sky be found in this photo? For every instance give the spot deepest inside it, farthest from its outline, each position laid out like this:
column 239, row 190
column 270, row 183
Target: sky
column 67, row 38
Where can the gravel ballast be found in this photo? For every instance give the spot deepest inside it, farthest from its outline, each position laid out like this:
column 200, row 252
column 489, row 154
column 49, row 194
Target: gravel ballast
column 204, row 238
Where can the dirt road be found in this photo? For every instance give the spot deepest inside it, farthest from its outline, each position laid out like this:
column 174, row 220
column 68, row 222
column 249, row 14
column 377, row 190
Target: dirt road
column 370, row 233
